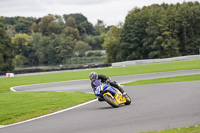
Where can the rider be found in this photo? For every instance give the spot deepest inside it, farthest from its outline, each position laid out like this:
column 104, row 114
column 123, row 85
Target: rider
column 94, row 76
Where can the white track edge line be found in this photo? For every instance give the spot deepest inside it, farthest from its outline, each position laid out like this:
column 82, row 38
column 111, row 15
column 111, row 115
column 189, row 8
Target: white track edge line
column 12, row 89
column 4, row 126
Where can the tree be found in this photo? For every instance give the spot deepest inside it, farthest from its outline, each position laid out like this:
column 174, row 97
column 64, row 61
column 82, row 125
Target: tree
column 44, row 23
column 81, row 48
column 53, row 27
column 71, row 22
column 94, row 41
column 79, row 18
column 21, row 28
column 99, row 28
column 111, row 44
column 59, row 21
column 168, row 34
column 20, row 41
column 42, row 50
column 47, row 49
column 6, row 51
column 8, row 20
column 160, row 31
column 48, row 25
column 23, row 24
column 189, row 28
column 21, row 44
column 34, row 27
column 71, row 32
column 132, row 35
column 66, row 48
column 85, row 28
column 32, row 56
column 80, row 22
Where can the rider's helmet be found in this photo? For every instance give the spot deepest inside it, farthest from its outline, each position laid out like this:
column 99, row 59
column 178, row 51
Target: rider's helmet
column 93, row 76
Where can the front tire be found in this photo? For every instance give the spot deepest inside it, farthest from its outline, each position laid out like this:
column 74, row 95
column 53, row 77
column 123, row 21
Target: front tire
column 128, row 100
column 111, row 101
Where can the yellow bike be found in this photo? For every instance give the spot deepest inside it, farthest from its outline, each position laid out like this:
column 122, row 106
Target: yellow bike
column 112, row 95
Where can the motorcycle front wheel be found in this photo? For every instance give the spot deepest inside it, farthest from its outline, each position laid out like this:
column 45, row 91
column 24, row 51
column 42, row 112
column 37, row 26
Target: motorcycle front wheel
column 128, row 100
column 111, row 101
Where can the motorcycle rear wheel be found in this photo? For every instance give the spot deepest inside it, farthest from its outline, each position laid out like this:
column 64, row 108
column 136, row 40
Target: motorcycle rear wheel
column 111, row 101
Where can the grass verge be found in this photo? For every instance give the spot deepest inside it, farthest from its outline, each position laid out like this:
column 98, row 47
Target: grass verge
column 191, row 129
column 165, row 80
column 15, row 107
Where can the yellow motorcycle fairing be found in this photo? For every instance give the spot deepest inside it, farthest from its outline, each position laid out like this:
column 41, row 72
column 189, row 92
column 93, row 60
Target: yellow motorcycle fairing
column 119, row 98
column 110, row 97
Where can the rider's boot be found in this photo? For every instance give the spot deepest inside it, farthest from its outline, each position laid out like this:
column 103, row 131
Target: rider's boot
column 121, row 90
column 114, row 84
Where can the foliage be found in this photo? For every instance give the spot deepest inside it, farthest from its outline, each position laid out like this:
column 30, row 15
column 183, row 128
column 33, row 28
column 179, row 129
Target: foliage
column 66, row 48
column 80, row 18
column 71, row 22
column 47, row 49
column 94, row 53
column 99, row 28
column 94, row 41
column 34, row 27
column 20, row 41
column 160, row 31
column 85, row 60
column 48, row 25
column 52, row 38
column 71, row 32
column 111, row 43
column 156, row 31
column 81, row 48
column 85, row 28
column 20, row 60
column 6, row 51
column 54, row 27
column 80, row 22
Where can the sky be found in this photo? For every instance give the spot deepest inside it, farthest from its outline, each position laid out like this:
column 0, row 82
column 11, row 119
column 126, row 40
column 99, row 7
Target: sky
column 111, row 12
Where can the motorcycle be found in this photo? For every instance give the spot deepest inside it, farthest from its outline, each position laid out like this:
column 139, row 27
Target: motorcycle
column 110, row 94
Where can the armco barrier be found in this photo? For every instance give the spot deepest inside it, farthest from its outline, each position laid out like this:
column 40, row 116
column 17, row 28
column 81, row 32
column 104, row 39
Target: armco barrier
column 56, row 69
column 135, row 62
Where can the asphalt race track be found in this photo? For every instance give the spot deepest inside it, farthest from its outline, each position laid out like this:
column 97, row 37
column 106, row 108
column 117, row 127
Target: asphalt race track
column 153, row 108
column 85, row 86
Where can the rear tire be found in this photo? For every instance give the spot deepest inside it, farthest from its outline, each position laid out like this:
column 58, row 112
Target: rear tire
column 111, row 101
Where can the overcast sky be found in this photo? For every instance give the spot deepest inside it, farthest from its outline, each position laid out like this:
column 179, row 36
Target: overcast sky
column 110, row 11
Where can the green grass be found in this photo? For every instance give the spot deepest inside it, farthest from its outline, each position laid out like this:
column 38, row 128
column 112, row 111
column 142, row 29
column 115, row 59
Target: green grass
column 165, row 80
column 15, row 107
column 192, row 129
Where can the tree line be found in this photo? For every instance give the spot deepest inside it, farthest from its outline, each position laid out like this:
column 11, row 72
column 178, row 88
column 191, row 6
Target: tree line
column 156, row 31
column 51, row 39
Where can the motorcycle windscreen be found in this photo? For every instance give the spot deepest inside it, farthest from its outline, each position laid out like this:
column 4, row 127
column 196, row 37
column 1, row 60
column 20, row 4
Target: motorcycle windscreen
column 97, row 83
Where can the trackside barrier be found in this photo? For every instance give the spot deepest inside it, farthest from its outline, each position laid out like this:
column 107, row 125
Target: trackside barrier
column 136, row 62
